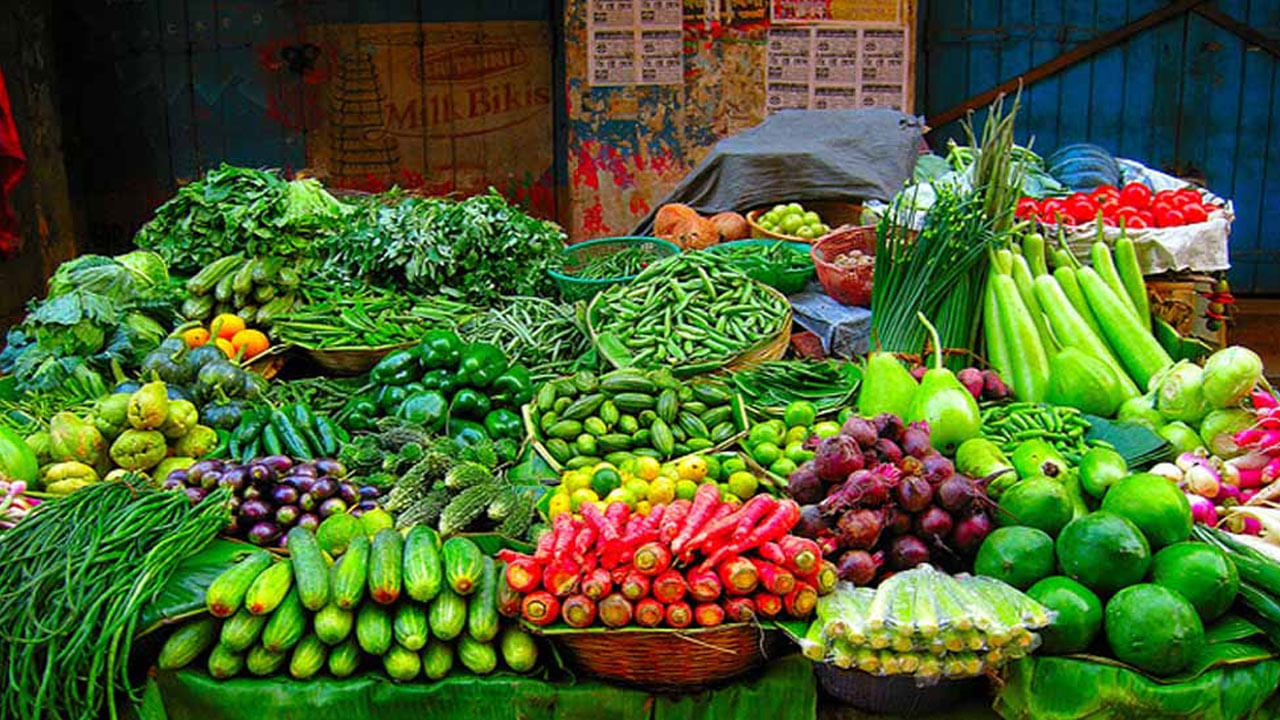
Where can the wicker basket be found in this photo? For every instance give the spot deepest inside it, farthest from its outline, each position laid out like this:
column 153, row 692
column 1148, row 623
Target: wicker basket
column 898, row 696
column 834, row 213
column 352, row 361
column 664, row 659
column 269, row 362
column 575, row 288
column 847, row 286
column 784, row 281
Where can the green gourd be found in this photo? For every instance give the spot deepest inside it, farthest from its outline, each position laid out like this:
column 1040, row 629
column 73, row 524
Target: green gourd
column 887, row 387
column 941, row 401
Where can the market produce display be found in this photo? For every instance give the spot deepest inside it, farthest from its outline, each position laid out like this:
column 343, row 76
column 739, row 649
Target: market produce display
column 256, row 289
column 1135, row 206
column 771, row 386
column 362, row 316
column 793, row 220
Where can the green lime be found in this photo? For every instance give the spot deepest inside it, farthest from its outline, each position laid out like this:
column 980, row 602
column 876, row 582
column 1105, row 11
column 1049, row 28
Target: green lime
column 778, row 211
column 783, row 466
column 1104, row 552
column 743, row 484
column 1153, row 628
column 796, row 434
column 1201, row 573
column 1019, row 556
column 685, row 489
column 778, row 426
column 581, row 496
column 764, row 433
column 1079, row 614
column 844, row 414
column 796, row 453
column 811, row 218
column 1036, row 502
column 1153, row 503
column 826, row 429
column 713, row 467
column 800, row 413
column 639, row 489
column 605, row 481
column 732, row 465
column 795, row 209
column 766, row 453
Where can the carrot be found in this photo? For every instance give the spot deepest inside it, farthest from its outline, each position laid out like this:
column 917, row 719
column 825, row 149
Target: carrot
column 578, row 611
column 704, row 586
column 828, row 544
column 803, row 555
column 583, row 541
column 679, row 614
column 597, row 584
column 605, row 529
column 635, row 586
column 783, row 518
column 619, row 574
column 540, row 608
column 774, row 579
column 705, row 501
column 523, row 574
column 709, row 614
column 564, row 529
column 673, row 520
column 724, row 521
column 740, row 609
column 768, row 605
column 508, row 598
column 615, row 610
column 772, row 552
column 653, row 520
column 618, row 513
column 652, row 558
column 825, row 579
column 801, row 600
column 751, row 512
column 561, row 579
column 649, row 612
column 669, row 586
column 739, row 576
column 546, row 547
column 589, row 563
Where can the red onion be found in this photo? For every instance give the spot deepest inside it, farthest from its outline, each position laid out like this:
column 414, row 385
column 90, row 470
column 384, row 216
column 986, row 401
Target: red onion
column 859, row 566
column 862, row 430
column 907, row 551
column 804, row 486
column 971, row 531
column 914, row 493
column 860, row 529
column 836, row 457
column 934, row 523
column 956, row 493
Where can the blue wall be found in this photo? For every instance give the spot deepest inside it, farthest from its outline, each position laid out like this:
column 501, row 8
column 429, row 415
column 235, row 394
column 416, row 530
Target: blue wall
column 1186, row 96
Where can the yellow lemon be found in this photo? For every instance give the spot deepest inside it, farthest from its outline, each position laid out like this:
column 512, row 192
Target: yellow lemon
column 577, row 480
column 743, row 484
column 580, row 496
column 692, row 468
column 638, row 488
column 644, row 507
column 619, row 495
column 646, row 468
column 663, row 490
column 559, row 504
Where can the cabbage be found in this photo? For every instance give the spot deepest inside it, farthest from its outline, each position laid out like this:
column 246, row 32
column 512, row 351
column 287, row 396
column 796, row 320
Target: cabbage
column 1230, row 374
column 1219, row 428
column 1180, row 395
column 147, row 267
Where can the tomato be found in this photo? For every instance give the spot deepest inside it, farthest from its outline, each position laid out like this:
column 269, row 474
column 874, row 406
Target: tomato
column 1178, row 200
column 1136, row 195
column 1105, row 195
column 1136, row 223
column 1027, row 208
column 1147, row 217
column 1171, row 218
column 1161, row 206
column 1192, row 196
column 1195, row 213
column 1165, row 196
column 1051, row 208
column 1082, row 210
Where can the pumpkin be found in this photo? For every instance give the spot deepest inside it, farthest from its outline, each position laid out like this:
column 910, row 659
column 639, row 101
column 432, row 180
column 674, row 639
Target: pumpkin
column 697, row 234
column 731, row 226
column 669, row 217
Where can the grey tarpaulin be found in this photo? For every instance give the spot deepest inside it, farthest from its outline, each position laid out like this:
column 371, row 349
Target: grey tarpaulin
column 799, row 155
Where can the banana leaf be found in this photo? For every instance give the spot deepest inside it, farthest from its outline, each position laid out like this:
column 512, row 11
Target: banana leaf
column 1137, row 444
column 183, row 596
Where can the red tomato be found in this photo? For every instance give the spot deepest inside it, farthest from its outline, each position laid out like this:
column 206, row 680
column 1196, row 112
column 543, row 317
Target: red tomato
column 1161, row 206
column 1136, row 195
column 1052, row 206
column 1135, row 223
column 1190, row 195
column 1027, row 207
column 1165, row 196
column 1083, row 210
column 1171, row 218
column 1147, row 217
column 1195, row 213
column 1105, row 195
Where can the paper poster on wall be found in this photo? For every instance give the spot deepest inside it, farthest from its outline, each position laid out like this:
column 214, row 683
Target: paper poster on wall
column 635, row 42
column 883, row 12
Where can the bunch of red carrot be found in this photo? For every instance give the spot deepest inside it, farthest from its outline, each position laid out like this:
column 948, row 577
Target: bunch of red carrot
column 690, row 562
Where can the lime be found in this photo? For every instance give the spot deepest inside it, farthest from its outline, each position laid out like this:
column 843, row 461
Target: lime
column 796, row 453
column 1153, row 503
column 580, row 496
column 826, row 429
column 685, row 490
column 796, row 434
column 1019, row 556
column 805, row 232
column 783, row 466
column 1153, row 628
column 844, row 414
column 620, row 495
column 1079, row 614
column 762, row 433
column 795, row 209
column 646, row 468
column 1104, row 552
column 605, row 481
column 1036, row 502
column 692, row 468
column 662, row 490
column 778, row 426
column 577, row 480
column 638, row 488
column 778, row 211
column 1100, row 468
column 713, row 467
column 1203, row 574
column 771, row 227
column 732, row 465
column 766, row 453
column 790, row 224
column 743, row 484
column 800, row 413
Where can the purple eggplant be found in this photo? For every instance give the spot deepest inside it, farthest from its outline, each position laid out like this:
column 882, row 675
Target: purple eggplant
column 367, row 505
column 330, row 467
column 287, row 515
column 172, row 483
column 250, row 493
column 179, row 475
column 370, row 492
column 308, row 521
column 308, row 502
column 349, row 493
column 195, row 494
column 210, row 480
column 284, row 494
column 198, row 469
column 324, row 489
column 233, row 528
column 264, row 533
column 278, row 463
column 305, row 469
column 260, row 473
column 332, row 506
column 233, row 480
column 254, row 510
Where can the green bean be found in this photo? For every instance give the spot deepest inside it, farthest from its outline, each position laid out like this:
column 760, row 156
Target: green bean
column 621, row 264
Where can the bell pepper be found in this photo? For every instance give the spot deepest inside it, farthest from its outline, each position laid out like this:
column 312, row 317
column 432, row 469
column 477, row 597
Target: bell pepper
column 390, row 396
column 397, row 368
column 481, row 364
column 440, row 349
column 414, row 388
column 446, row 381
column 469, row 403
column 513, row 387
column 466, row 432
column 425, row 408
column 503, row 423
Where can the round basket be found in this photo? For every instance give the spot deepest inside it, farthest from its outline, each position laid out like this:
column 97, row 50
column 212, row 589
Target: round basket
column 351, row 361
column 847, row 286
column 773, row 275
column 834, row 213
column 269, row 362
column 895, row 695
column 578, row 254
column 664, row 659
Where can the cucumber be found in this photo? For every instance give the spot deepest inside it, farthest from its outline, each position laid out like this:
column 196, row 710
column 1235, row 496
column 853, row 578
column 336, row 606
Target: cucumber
column 482, row 609
column 437, row 659
column 241, row 630
column 627, row 381
column 310, row 575
column 662, row 439
column 269, row 588
column 187, row 643
column 463, row 562
column 401, row 663
column 285, row 626
column 224, row 290
column 386, row 556
column 242, row 279
column 410, row 627
column 519, row 651
column 205, row 280
column 345, row 658
column 308, row 658
column 227, row 591
column 348, row 574
column 448, row 614
column 423, row 573
column 478, row 657
column 333, row 624
column 224, row 662
column 373, row 628
column 584, row 407
column 692, row 426
column 565, row 429
column 261, row 661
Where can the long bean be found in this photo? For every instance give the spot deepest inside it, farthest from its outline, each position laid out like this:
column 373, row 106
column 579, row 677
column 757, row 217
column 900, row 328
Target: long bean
column 772, row 385
column 547, row 337
column 361, row 316
column 621, row 264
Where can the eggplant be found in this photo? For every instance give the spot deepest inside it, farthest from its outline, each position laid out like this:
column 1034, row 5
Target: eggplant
column 195, row 494
column 370, row 492
column 284, row 494
column 254, row 510
column 234, row 477
column 308, row 502
column 331, row 467
column 232, row 528
column 210, row 480
column 356, row 512
column 173, row 483
column 260, row 473
column 323, row 489
column 306, row 469
column 287, row 515
column 264, row 533
column 308, row 521
column 180, row 475
column 279, row 463
column 349, row 493
column 250, row 493
column 367, row 505
column 332, row 506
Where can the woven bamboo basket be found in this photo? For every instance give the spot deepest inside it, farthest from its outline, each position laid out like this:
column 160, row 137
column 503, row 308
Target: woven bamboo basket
column 352, row 361
column 665, row 659
column 833, row 212
column 770, row 349
column 269, row 363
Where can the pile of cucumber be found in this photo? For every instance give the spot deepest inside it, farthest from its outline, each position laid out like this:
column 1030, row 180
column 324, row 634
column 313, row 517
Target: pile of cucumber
column 409, row 603
column 258, row 290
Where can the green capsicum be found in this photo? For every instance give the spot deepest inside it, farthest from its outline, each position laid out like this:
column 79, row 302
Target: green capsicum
column 397, row 368
column 466, row 432
column 481, row 364
column 446, row 381
column 389, row 397
column 440, row 349
column 513, row 387
column 425, row 408
column 503, row 423
column 469, row 403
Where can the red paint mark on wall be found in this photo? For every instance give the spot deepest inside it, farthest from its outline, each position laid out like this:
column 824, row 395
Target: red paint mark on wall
column 639, row 206
column 593, row 221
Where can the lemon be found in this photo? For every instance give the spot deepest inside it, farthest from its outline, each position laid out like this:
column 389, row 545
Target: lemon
column 783, row 466
column 577, row 480
column 559, row 505
column 580, row 496
column 732, row 465
column 743, row 484
column 762, row 433
column 646, row 468
column 605, row 480
column 826, row 429
column 644, row 507
column 713, row 467
column 604, row 466
column 766, row 453
column 619, row 495
column 692, row 468
column 685, row 490
column 638, row 488
column 796, row 434
column 662, row 490
column 731, row 499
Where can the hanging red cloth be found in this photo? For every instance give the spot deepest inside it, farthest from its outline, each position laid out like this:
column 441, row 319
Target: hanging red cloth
column 12, row 166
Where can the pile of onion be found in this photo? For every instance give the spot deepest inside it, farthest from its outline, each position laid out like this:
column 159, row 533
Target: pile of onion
column 683, row 226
